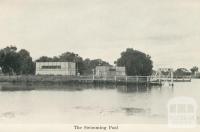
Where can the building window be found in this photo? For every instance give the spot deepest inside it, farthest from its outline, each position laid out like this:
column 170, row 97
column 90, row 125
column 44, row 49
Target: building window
column 51, row 67
column 112, row 70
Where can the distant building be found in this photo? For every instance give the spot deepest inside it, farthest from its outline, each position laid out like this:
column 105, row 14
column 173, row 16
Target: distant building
column 55, row 68
column 103, row 71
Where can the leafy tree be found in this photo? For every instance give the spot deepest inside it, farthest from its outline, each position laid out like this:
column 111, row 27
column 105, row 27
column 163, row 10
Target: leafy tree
column 55, row 59
column 136, row 62
column 72, row 57
column 194, row 69
column 13, row 62
column 181, row 72
column 27, row 65
column 44, row 59
column 91, row 64
column 9, row 60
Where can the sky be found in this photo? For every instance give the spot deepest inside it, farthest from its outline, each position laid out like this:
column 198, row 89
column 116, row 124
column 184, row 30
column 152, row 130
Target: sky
column 167, row 30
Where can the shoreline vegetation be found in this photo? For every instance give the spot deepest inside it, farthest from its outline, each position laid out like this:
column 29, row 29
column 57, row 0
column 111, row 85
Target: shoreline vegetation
column 30, row 82
column 59, row 79
column 19, row 67
column 20, row 62
column 115, row 80
column 52, row 82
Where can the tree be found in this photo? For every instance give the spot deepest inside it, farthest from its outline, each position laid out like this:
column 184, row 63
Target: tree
column 44, row 59
column 181, row 72
column 13, row 62
column 194, row 69
column 9, row 63
column 89, row 65
column 72, row 57
column 27, row 65
column 136, row 62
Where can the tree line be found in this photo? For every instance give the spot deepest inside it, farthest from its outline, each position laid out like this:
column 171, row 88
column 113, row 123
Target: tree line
column 14, row 62
column 84, row 67
column 20, row 62
column 185, row 72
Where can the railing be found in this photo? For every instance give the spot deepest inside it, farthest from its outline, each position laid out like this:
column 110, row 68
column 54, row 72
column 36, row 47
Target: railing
column 126, row 79
column 134, row 78
column 117, row 78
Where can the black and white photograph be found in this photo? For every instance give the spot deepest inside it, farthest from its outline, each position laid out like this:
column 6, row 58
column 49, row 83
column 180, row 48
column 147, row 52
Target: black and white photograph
column 99, row 65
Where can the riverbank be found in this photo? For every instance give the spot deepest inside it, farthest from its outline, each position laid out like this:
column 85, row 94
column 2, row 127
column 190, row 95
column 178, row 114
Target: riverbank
column 50, row 79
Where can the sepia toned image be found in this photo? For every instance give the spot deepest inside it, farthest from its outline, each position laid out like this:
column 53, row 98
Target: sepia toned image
column 99, row 65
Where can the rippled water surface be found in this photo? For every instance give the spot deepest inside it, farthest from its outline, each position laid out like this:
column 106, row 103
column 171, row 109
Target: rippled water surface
column 90, row 104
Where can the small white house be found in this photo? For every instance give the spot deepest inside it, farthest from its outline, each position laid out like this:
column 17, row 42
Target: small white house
column 55, row 68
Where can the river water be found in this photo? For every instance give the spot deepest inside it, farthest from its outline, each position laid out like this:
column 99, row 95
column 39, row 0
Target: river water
column 91, row 104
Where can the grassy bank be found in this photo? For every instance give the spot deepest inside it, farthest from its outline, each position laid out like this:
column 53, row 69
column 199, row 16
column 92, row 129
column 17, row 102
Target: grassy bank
column 50, row 79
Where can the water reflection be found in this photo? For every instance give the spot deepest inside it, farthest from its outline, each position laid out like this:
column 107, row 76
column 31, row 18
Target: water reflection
column 134, row 88
column 75, row 87
column 84, row 103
